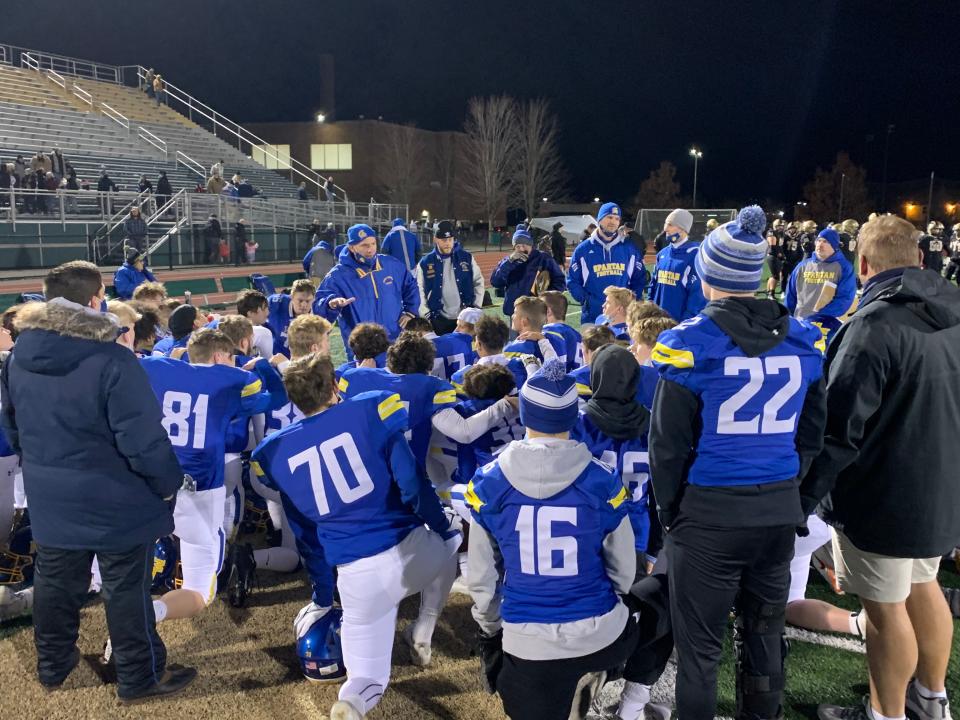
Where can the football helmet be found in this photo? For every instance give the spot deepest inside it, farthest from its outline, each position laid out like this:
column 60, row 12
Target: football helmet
column 255, row 516
column 935, row 227
column 778, row 224
column 318, row 646
column 809, row 226
column 166, row 563
column 712, row 225
column 850, row 226
column 16, row 562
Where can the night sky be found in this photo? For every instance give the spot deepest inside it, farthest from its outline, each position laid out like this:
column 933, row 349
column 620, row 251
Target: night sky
column 768, row 90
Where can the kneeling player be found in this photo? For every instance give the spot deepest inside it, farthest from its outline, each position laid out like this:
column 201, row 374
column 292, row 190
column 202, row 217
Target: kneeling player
column 348, row 470
column 551, row 551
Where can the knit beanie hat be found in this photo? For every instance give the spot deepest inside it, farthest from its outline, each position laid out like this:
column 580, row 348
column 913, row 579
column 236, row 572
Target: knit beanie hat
column 683, row 219
column 832, row 237
column 609, row 208
column 181, row 321
column 548, row 400
column 522, row 235
column 359, row 233
column 731, row 257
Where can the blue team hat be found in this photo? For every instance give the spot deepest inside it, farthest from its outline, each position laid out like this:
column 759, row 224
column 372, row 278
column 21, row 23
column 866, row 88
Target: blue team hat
column 731, row 257
column 397, row 222
column 548, row 400
column 831, row 236
column 609, row 208
column 522, row 235
column 359, row 233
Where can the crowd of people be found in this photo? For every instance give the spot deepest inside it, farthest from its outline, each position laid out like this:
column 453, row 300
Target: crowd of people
column 605, row 496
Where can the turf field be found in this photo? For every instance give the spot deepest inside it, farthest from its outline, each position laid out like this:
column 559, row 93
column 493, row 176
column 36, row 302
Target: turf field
column 248, row 665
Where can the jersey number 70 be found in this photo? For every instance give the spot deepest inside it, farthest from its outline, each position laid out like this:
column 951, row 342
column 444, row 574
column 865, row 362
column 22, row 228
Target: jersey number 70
column 322, row 463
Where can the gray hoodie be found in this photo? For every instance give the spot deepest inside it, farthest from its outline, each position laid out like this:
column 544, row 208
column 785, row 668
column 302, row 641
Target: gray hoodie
column 541, row 468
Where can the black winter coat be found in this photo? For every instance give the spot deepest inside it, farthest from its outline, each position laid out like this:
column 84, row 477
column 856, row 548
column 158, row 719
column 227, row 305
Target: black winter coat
column 98, row 467
column 888, row 470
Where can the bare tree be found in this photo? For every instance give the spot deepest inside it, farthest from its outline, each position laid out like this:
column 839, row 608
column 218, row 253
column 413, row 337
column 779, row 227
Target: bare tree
column 400, row 170
column 446, row 162
column 489, row 153
column 539, row 168
column 838, row 193
column 660, row 189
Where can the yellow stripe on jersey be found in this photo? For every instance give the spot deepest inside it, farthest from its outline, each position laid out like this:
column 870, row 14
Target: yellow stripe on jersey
column 584, row 389
column 470, row 497
column 618, row 500
column 512, row 354
column 343, row 384
column 389, row 406
column 255, row 466
column 252, row 389
column 821, row 344
column 458, row 387
column 445, row 397
column 668, row 356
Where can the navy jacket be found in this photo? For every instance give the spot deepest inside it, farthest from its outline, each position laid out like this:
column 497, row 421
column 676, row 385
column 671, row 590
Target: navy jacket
column 77, row 407
column 431, row 265
column 517, row 278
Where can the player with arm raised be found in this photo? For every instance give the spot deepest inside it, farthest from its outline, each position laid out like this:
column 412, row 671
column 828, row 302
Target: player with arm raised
column 347, row 472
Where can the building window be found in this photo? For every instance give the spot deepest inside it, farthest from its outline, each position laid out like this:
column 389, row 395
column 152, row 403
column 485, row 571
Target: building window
column 272, row 157
column 331, row 157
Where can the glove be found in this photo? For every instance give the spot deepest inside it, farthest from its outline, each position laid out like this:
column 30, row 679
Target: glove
column 307, row 616
column 802, row 529
column 491, row 659
column 518, row 257
column 453, row 528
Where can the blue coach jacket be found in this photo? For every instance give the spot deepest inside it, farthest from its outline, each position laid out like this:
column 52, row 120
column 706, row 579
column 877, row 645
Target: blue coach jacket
column 596, row 265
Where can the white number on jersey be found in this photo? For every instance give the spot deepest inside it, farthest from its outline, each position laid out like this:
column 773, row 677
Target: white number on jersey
column 534, row 526
column 634, row 480
column 760, row 370
column 510, row 429
column 457, row 362
column 176, row 418
column 936, row 246
column 287, row 415
column 322, row 463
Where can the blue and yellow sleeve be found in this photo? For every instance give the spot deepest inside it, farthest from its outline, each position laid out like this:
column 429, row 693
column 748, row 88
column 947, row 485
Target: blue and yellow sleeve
column 444, row 395
column 392, row 413
column 673, row 358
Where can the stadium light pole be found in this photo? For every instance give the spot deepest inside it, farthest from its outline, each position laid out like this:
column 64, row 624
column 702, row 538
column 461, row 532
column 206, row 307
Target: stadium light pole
column 696, row 155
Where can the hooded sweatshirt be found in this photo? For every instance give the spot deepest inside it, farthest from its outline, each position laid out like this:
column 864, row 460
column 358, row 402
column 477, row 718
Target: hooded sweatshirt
column 550, row 550
column 98, row 466
column 888, row 471
column 738, row 414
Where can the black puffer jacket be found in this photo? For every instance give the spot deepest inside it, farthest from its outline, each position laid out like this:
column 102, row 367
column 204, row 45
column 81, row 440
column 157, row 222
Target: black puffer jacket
column 98, row 468
column 888, row 470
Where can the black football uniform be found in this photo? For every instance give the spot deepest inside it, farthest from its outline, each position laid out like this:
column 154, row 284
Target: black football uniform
column 931, row 247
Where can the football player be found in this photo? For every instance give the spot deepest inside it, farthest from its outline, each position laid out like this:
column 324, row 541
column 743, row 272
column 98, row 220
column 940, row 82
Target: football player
column 454, row 351
column 615, row 310
column 594, row 338
column 347, row 471
column 529, row 316
column 491, row 335
column 557, row 306
column 284, row 308
column 368, row 342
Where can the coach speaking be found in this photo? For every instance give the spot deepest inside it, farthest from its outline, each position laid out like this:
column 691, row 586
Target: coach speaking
column 100, row 476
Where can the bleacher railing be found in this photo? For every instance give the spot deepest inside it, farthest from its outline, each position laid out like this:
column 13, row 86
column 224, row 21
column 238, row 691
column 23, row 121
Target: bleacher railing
column 83, row 95
column 39, row 60
column 56, row 78
column 116, row 116
column 188, row 162
column 245, row 140
column 149, row 137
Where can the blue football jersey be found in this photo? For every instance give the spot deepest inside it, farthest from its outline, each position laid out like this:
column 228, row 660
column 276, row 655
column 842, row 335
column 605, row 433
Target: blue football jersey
column 572, row 341
column 380, row 360
column 422, row 397
column 581, row 376
column 631, row 458
column 514, row 365
column 454, row 351
column 335, row 469
column 553, row 564
column 198, row 403
column 531, row 347
column 482, row 450
column 750, row 406
column 619, row 331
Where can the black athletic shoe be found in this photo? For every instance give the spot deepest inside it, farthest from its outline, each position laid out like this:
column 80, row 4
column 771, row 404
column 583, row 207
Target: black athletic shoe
column 175, row 679
column 243, row 572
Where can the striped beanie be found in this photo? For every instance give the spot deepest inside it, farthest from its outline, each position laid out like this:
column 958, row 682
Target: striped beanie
column 548, row 400
column 731, row 257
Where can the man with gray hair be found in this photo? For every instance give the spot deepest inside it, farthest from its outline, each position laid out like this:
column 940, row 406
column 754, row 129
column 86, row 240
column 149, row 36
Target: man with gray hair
column 675, row 286
column 886, row 478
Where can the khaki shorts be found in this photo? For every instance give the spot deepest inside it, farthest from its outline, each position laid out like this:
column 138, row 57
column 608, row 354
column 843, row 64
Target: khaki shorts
column 879, row 578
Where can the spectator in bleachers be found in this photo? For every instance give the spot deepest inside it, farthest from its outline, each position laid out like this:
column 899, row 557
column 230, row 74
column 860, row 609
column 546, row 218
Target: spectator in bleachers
column 159, row 90
column 136, row 231
column 72, row 184
column 212, row 234
column 131, row 274
column 6, row 182
column 20, row 170
column 302, row 192
column 145, row 185
column 51, row 185
column 148, row 83
column 105, row 185
column 217, row 168
column 164, row 189
column 216, row 183
column 40, row 163
column 245, row 189
column 328, row 189
column 58, row 164
column 240, row 242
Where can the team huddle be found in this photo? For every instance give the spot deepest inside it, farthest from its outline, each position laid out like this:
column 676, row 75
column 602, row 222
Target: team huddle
column 605, row 496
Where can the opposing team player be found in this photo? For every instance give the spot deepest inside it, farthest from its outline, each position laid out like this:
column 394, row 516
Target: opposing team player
column 551, row 551
column 349, row 472
column 199, row 400
column 557, row 306
column 738, row 416
column 775, row 246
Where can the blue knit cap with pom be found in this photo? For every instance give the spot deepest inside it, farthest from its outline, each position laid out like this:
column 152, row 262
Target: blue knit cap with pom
column 731, row 257
column 548, row 400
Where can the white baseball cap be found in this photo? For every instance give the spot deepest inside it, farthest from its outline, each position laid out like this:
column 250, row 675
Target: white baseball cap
column 470, row 315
